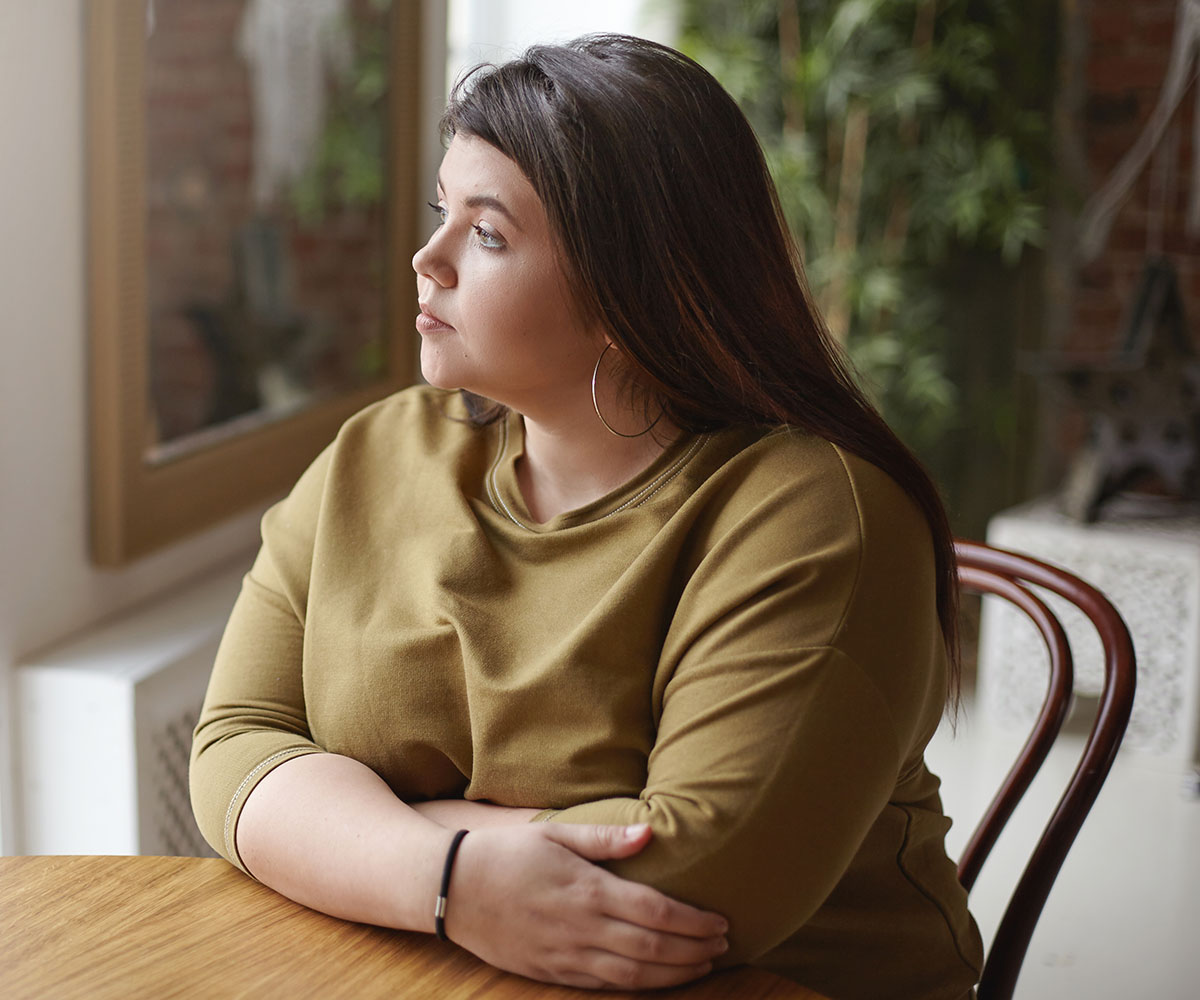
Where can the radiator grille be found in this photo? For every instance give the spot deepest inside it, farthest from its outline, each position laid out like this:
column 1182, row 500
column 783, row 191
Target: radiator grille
column 172, row 823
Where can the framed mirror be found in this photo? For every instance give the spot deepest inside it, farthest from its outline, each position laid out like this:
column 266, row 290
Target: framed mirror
column 252, row 177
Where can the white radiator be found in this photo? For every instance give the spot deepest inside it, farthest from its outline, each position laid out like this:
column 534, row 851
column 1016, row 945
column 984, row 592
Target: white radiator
column 104, row 728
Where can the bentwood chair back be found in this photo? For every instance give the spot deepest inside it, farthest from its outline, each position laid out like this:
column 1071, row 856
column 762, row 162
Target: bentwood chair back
column 983, row 569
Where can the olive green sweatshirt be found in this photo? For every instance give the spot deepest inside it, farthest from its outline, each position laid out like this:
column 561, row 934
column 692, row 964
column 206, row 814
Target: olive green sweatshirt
column 739, row 647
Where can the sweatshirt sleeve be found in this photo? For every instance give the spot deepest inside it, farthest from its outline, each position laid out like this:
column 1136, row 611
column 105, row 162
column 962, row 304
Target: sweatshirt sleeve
column 253, row 718
column 805, row 666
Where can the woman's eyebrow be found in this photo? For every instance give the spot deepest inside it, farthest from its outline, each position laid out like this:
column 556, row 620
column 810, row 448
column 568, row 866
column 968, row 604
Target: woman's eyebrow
column 487, row 201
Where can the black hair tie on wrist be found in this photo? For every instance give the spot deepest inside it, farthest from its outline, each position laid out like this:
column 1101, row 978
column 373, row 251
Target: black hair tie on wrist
column 439, row 908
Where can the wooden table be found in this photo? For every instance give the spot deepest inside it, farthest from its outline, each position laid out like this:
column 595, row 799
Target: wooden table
column 131, row 927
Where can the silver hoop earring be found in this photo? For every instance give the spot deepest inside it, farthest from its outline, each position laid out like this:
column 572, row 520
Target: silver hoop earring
column 609, row 427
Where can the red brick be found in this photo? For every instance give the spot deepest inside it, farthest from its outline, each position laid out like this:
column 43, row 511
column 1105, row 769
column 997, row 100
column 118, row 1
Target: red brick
column 1157, row 34
column 1105, row 319
column 1096, row 275
column 1145, row 70
column 1147, row 12
column 1113, row 25
column 1176, row 241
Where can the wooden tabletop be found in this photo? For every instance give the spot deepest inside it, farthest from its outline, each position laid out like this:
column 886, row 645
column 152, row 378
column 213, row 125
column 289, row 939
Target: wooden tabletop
column 133, row 927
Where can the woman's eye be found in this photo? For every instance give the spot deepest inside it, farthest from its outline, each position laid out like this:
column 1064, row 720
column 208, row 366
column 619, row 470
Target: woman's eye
column 488, row 239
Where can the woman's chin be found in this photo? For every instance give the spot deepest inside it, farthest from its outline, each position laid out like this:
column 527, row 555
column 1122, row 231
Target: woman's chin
column 438, row 381
column 437, row 374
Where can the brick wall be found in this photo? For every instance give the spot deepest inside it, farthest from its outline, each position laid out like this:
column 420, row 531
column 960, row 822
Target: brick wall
column 1120, row 71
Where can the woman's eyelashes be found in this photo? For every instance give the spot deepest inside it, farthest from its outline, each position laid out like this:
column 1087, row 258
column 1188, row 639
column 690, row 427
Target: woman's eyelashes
column 485, row 237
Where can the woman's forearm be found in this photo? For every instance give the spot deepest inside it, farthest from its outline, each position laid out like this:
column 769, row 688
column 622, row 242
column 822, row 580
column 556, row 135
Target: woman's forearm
column 328, row 832
column 461, row 814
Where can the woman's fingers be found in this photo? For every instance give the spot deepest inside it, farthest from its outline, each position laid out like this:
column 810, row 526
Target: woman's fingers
column 609, row 971
column 631, row 901
column 597, row 842
column 660, row 947
column 642, row 906
column 528, row 899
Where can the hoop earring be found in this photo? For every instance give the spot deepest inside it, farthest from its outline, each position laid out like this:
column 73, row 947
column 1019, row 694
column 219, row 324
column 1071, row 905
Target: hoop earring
column 609, row 427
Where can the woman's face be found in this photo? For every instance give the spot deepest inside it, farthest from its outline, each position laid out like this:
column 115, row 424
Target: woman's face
column 496, row 316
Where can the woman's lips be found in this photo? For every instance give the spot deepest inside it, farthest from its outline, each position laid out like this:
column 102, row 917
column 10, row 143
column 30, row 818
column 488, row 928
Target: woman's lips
column 427, row 322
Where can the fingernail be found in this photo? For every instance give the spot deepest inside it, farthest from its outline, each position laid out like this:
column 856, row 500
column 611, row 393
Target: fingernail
column 635, row 831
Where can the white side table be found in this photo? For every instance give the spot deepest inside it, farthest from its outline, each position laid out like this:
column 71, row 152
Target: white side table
column 1149, row 568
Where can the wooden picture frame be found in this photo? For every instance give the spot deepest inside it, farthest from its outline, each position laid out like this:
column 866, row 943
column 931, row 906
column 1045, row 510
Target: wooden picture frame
column 139, row 505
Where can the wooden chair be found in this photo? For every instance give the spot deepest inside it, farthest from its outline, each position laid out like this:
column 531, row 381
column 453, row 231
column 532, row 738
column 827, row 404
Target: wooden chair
column 1008, row 575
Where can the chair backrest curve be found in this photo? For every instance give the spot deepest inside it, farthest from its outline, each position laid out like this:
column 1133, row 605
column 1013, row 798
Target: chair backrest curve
column 984, row 569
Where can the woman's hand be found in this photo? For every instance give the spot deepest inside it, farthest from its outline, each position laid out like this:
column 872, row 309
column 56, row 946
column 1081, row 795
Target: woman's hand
column 529, row 900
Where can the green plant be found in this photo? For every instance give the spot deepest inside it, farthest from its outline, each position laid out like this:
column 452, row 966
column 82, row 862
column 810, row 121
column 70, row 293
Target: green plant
column 900, row 133
column 348, row 165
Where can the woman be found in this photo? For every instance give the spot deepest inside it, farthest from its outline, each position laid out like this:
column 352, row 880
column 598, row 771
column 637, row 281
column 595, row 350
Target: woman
column 658, row 589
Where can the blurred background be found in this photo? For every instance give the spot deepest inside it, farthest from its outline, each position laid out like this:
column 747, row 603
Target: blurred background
column 998, row 204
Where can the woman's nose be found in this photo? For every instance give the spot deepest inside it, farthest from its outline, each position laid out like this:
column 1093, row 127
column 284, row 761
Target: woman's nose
column 430, row 262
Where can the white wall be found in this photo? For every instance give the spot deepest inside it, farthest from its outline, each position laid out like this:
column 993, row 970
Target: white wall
column 48, row 589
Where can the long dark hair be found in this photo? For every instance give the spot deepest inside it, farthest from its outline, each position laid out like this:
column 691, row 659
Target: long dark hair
column 672, row 236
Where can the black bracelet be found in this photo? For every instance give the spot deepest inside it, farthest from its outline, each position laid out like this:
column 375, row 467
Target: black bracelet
column 439, row 908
